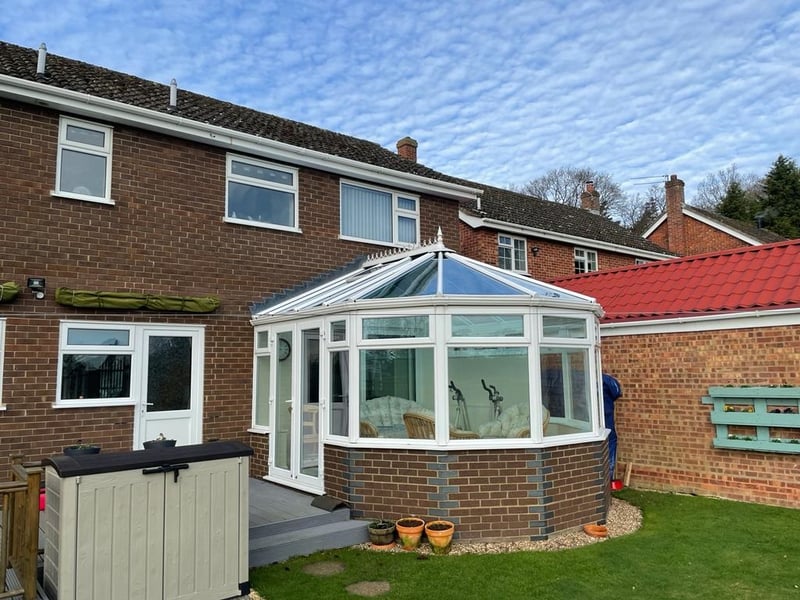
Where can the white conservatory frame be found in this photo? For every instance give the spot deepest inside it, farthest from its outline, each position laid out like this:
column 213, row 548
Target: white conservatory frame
column 387, row 287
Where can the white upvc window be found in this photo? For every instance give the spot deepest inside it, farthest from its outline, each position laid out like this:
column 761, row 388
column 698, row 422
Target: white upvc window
column 511, row 253
column 2, row 355
column 262, row 360
column 83, row 168
column 585, row 260
column 95, row 363
column 261, row 194
column 378, row 215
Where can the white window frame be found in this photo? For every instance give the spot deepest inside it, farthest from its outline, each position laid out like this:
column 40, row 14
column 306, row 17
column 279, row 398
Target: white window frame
column 134, row 349
column 510, row 242
column 260, row 183
column 586, row 259
column 397, row 213
column 104, row 151
column 259, row 352
column 2, row 358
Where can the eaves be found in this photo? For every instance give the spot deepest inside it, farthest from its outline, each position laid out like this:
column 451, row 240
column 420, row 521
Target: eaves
column 86, row 105
column 476, row 222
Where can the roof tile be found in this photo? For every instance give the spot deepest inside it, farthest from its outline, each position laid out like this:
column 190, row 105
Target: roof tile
column 749, row 278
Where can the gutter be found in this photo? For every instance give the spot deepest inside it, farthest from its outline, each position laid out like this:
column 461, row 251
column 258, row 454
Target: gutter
column 78, row 103
column 476, row 222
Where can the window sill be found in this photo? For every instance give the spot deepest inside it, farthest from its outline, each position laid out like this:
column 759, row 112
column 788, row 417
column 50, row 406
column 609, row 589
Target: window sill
column 261, row 225
column 93, row 403
column 83, row 197
column 258, row 430
column 399, row 245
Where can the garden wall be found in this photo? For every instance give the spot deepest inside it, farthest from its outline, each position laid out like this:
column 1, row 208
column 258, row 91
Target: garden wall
column 665, row 430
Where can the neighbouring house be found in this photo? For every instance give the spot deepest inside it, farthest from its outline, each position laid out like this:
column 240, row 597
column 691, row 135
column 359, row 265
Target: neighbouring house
column 687, row 230
column 545, row 239
column 707, row 348
column 178, row 265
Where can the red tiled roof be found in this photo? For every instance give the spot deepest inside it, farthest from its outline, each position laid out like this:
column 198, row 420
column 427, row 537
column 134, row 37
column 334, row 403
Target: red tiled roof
column 750, row 278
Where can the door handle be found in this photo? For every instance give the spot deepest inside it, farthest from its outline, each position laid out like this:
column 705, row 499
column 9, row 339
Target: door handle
column 174, row 469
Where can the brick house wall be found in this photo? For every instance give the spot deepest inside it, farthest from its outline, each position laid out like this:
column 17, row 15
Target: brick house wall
column 164, row 235
column 553, row 260
column 489, row 494
column 699, row 237
column 665, row 431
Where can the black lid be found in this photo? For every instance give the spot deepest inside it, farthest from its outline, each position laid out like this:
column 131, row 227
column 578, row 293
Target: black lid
column 109, row 462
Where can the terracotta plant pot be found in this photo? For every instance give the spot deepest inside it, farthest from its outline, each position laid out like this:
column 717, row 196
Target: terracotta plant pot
column 440, row 535
column 409, row 532
column 381, row 534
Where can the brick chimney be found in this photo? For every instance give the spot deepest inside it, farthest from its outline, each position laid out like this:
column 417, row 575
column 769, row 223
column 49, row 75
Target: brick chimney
column 407, row 148
column 590, row 198
column 676, row 240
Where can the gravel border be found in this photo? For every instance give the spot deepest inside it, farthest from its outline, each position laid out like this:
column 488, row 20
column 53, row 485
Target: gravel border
column 623, row 519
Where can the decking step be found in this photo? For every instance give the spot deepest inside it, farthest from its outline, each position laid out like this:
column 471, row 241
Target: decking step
column 322, row 517
column 303, row 540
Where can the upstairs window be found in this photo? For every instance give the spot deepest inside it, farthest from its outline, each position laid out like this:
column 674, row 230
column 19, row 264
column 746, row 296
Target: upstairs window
column 261, row 194
column 585, row 260
column 379, row 215
column 83, row 168
column 511, row 254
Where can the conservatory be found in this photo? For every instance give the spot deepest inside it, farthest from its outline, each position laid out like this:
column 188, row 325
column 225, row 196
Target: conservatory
column 424, row 382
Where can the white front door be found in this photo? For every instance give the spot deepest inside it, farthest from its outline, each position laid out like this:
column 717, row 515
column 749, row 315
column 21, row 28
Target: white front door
column 295, row 449
column 172, row 386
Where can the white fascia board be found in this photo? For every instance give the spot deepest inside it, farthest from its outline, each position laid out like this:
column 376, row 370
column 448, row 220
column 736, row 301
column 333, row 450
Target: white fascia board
column 724, row 228
column 717, row 322
column 655, row 225
column 507, row 227
column 31, row 92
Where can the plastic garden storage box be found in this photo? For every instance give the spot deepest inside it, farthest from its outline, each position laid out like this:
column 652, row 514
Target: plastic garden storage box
column 160, row 524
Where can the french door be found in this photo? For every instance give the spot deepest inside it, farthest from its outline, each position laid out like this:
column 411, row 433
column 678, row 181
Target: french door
column 295, row 449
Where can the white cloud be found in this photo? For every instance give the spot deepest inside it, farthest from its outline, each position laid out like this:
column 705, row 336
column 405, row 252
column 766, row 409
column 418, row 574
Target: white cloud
column 497, row 91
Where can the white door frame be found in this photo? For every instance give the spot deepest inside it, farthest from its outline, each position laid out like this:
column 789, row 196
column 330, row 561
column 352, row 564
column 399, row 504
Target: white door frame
column 287, row 446
column 173, row 424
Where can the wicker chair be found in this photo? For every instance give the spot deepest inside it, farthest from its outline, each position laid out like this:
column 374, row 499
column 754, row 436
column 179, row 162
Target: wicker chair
column 463, row 434
column 367, row 429
column 418, row 426
column 423, row 427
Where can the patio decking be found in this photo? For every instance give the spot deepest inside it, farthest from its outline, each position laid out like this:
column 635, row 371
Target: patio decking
column 283, row 523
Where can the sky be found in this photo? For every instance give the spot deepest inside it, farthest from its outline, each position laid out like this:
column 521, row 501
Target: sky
column 495, row 91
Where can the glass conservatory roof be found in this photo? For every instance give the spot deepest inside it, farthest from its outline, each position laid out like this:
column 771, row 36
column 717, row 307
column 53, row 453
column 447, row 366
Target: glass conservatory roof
column 426, row 271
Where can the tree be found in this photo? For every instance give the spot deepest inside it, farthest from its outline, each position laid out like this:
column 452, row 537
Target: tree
column 565, row 184
column 715, row 186
column 738, row 204
column 782, row 197
column 639, row 212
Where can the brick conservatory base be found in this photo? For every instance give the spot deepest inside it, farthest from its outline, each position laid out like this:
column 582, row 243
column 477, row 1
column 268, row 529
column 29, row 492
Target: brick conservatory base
column 522, row 494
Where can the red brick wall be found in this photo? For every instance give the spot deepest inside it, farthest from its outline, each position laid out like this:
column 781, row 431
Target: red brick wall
column 164, row 235
column 664, row 429
column 699, row 237
column 553, row 259
column 489, row 494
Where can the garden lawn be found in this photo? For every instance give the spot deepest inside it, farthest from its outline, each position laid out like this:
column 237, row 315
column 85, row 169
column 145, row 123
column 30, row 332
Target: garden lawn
column 688, row 547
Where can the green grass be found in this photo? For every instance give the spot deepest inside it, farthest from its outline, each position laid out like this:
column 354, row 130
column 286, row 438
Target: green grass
column 688, row 547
